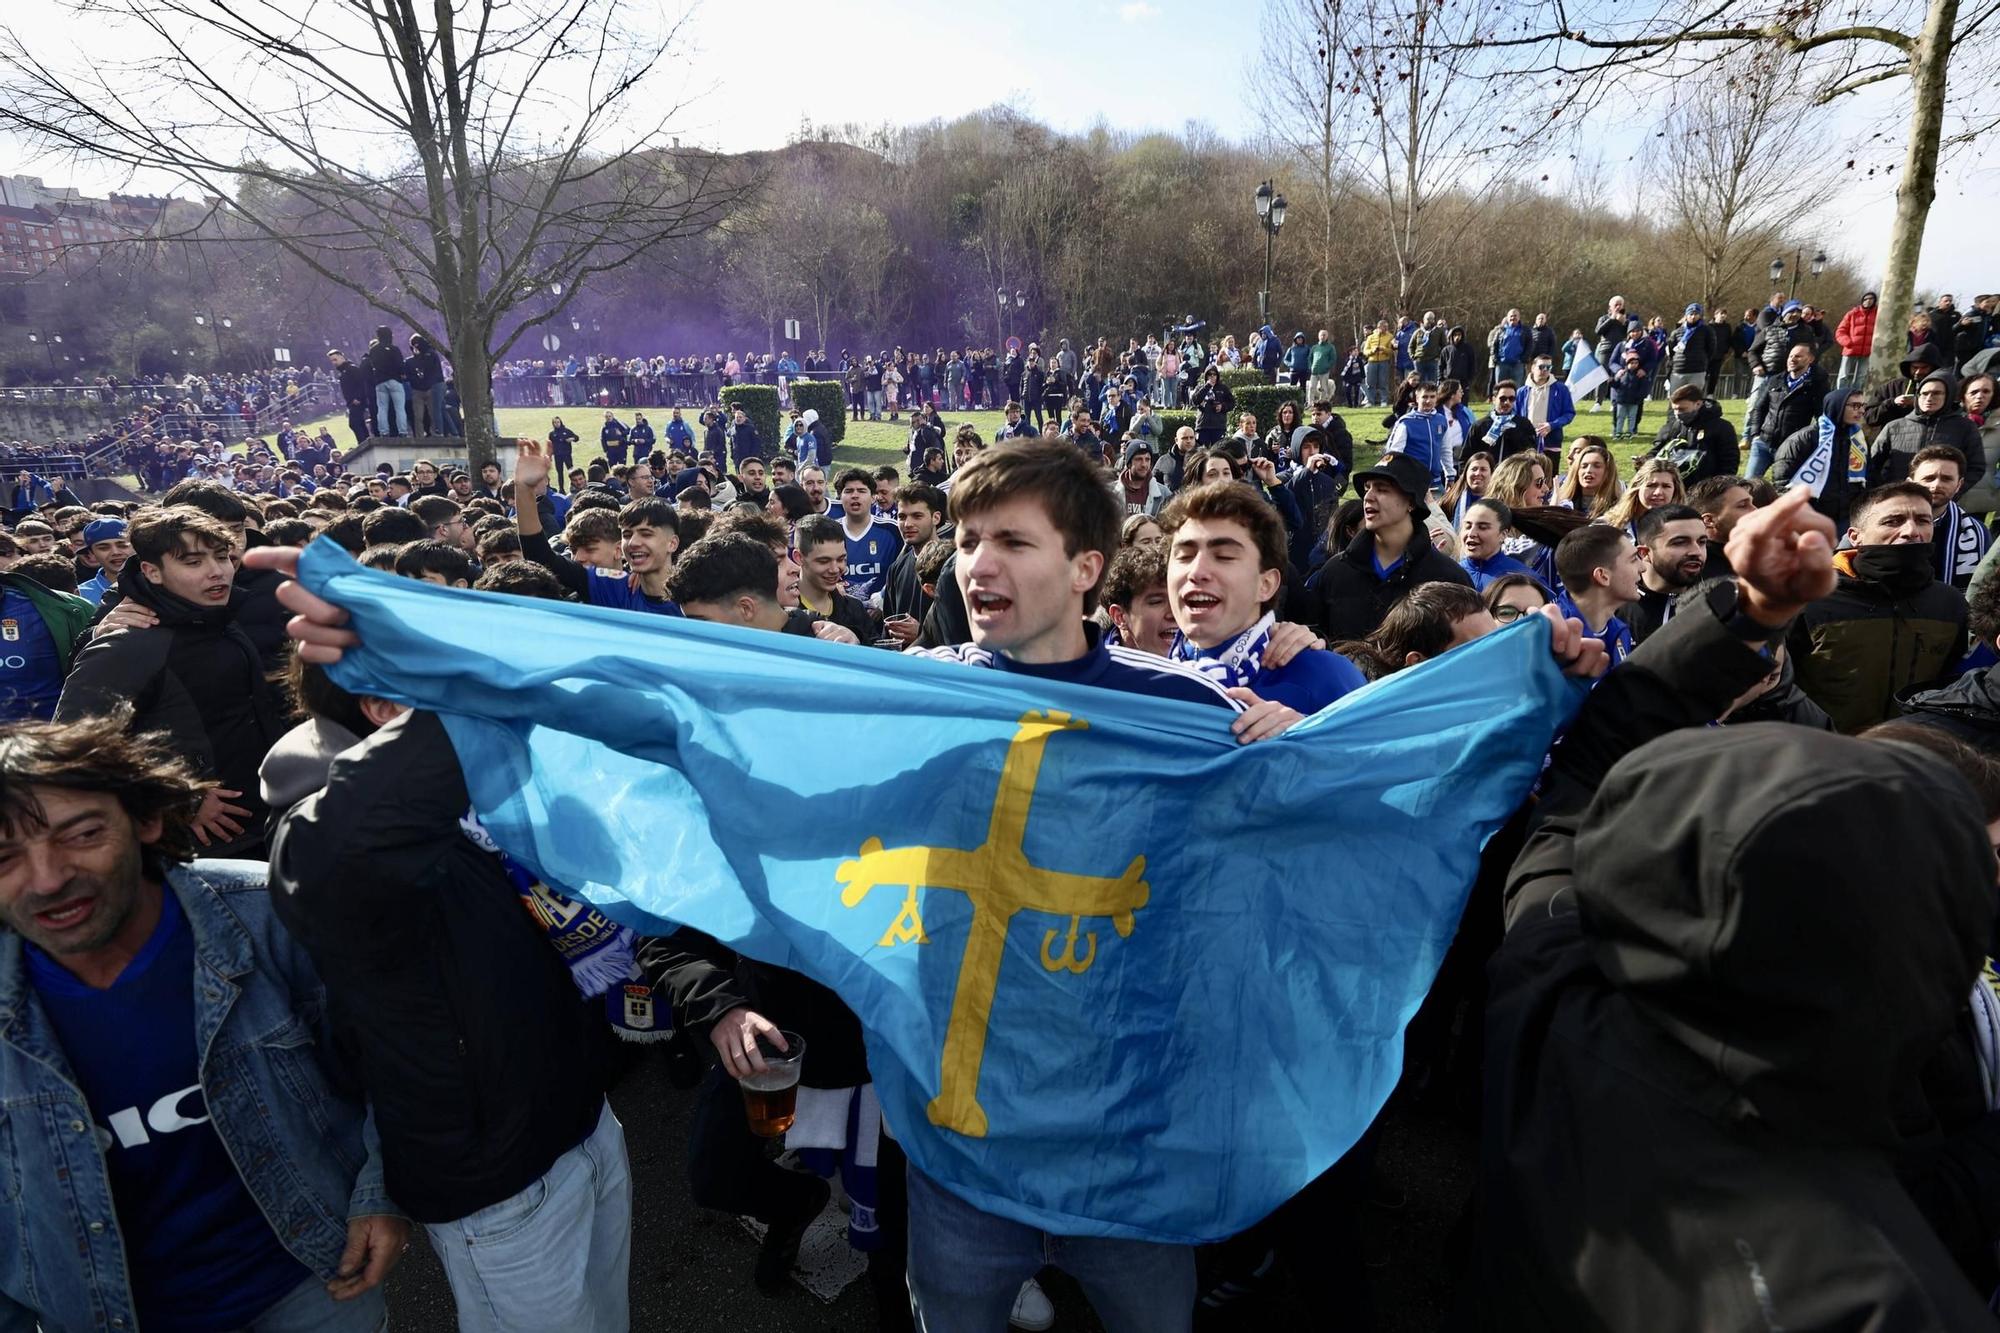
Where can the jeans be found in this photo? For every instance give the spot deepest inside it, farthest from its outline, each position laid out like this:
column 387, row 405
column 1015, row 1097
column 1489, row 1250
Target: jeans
column 1761, row 455
column 1680, row 379
column 555, row 1256
column 1508, row 370
column 966, row 1267
column 1853, row 372
column 392, row 409
column 874, row 404
column 1759, row 387
column 308, row 1309
column 1427, row 371
column 1379, row 373
column 1624, row 419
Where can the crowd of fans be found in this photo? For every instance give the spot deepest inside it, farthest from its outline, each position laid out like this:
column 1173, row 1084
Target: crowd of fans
column 1684, row 1003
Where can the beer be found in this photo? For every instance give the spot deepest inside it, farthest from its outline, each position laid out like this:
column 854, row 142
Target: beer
column 771, row 1095
column 770, row 1100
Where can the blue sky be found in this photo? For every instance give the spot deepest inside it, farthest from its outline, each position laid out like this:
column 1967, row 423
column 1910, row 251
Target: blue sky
column 748, row 74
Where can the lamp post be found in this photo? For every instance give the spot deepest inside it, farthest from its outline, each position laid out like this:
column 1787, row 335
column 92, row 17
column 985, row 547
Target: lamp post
column 1798, row 262
column 49, row 342
column 216, row 325
column 1271, row 213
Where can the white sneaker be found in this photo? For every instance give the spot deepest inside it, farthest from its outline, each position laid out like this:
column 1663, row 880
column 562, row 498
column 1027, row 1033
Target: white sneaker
column 1032, row 1308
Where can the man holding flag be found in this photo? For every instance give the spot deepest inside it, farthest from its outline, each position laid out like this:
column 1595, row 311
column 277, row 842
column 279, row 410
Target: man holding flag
column 1033, row 1126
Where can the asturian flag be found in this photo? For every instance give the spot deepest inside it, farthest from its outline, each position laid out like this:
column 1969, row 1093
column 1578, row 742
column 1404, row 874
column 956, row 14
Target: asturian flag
column 1585, row 373
column 1118, row 975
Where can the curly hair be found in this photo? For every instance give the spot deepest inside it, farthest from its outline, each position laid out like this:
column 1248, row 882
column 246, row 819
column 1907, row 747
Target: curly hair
column 100, row 754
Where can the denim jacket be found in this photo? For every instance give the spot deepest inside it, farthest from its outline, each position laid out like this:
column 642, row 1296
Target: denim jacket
column 308, row 1156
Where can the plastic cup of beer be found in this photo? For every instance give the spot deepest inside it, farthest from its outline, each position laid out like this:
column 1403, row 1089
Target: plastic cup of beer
column 771, row 1095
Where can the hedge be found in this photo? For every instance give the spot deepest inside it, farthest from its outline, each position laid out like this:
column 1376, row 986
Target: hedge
column 1242, row 377
column 829, row 399
column 1263, row 400
column 760, row 403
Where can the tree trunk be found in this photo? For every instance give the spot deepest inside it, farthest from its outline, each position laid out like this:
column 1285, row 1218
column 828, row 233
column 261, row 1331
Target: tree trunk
column 473, row 371
column 1917, row 187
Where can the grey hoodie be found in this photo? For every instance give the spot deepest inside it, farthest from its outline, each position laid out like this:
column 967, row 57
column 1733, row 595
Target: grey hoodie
column 297, row 765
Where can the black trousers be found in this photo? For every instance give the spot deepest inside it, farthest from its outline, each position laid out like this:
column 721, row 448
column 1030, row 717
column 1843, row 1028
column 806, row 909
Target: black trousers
column 729, row 1171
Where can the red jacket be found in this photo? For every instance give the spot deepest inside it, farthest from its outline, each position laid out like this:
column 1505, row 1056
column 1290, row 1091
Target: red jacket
column 1856, row 334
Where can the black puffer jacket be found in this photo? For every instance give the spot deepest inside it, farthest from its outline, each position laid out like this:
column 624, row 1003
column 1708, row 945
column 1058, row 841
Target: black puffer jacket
column 1690, row 348
column 1702, row 1022
column 1774, row 342
column 481, row 1060
column 195, row 676
column 1899, row 441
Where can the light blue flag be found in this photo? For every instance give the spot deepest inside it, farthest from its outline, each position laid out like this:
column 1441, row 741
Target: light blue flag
column 1119, row 975
column 1585, row 373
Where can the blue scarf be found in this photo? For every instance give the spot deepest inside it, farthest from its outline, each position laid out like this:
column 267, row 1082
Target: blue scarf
column 1838, row 440
column 601, row 955
column 1235, row 663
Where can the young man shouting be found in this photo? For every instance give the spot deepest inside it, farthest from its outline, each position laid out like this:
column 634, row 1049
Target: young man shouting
column 873, row 543
column 1225, row 574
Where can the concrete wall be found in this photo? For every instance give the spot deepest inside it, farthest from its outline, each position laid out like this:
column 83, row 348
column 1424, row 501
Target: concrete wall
column 39, row 423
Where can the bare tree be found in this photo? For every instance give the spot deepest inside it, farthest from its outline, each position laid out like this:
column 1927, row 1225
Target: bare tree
column 1422, row 126
column 1303, row 102
column 1954, row 81
column 1721, row 176
column 466, row 166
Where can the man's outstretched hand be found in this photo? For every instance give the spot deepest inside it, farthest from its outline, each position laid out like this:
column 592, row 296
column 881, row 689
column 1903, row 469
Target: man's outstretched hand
column 318, row 625
column 1783, row 558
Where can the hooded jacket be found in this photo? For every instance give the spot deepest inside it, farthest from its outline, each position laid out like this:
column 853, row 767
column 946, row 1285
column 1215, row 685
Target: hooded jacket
column 1887, row 627
column 1882, row 405
column 1702, row 447
column 1699, row 1029
column 197, row 678
column 1899, row 441
column 1849, row 452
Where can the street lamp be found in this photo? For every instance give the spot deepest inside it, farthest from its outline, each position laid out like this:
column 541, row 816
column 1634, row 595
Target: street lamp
column 49, row 342
column 1271, row 213
column 1798, row 263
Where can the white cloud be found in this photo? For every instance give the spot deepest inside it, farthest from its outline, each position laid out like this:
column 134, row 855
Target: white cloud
column 1136, row 11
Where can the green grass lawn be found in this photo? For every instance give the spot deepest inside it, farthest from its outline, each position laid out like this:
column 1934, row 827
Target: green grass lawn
column 873, row 443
